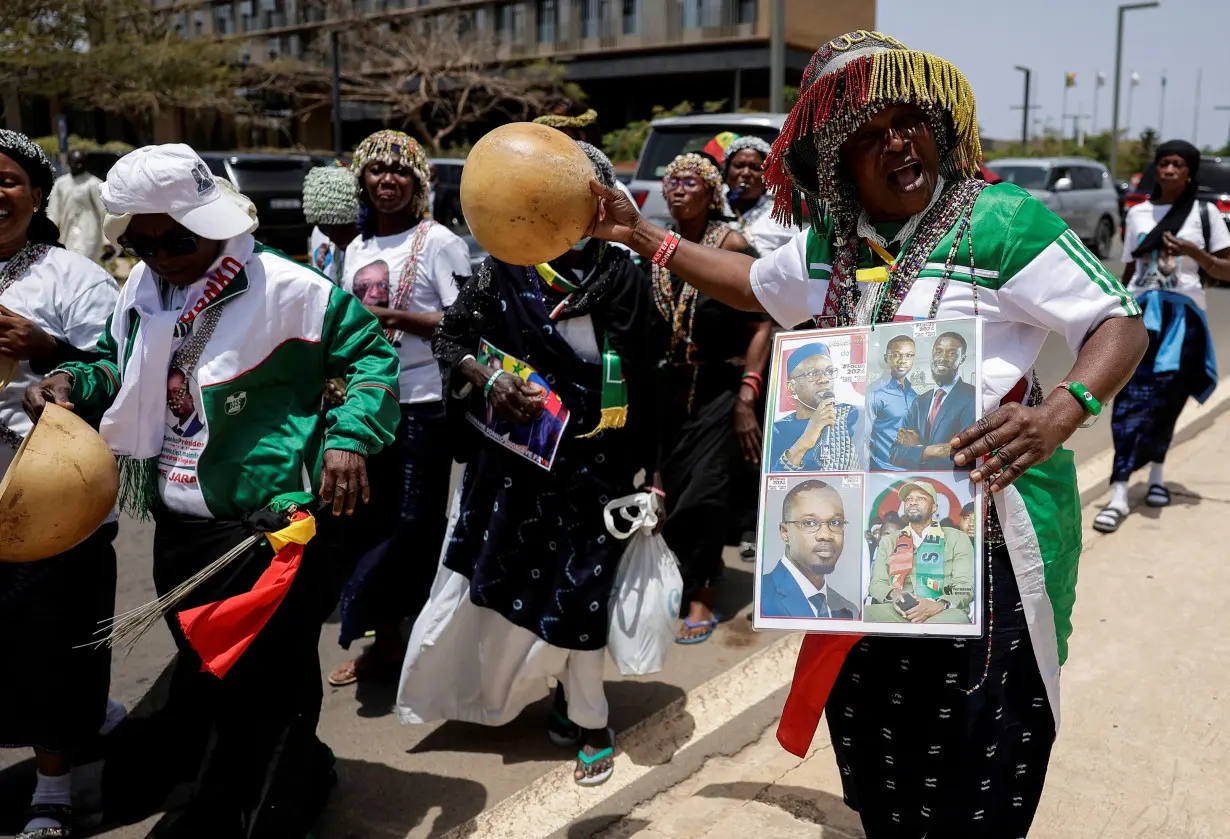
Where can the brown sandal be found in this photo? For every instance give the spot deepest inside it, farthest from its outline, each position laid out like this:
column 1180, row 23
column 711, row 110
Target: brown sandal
column 363, row 668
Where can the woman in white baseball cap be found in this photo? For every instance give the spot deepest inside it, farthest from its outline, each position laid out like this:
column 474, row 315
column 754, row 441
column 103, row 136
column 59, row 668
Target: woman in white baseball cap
column 209, row 387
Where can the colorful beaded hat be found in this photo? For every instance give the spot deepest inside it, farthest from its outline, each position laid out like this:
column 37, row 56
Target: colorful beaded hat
column 388, row 146
column 330, row 196
column 703, row 168
column 848, row 81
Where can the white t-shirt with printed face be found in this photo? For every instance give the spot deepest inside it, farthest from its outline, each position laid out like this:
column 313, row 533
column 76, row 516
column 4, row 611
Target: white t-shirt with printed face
column 67, row 296
column 1160, row 270
column 373, row 273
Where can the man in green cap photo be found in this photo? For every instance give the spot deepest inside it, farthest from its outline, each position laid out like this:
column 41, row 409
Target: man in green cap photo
column 923, row 573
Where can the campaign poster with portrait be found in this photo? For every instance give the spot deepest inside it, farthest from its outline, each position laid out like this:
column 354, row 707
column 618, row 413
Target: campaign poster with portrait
column 922, row 572
column 537, row 440
column 922, row 390
column 812, row 552
column 817, row 391
column 863, row 420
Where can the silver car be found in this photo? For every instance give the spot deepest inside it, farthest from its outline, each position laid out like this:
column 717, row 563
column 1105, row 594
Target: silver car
column 672, row 136
column 1077, row 189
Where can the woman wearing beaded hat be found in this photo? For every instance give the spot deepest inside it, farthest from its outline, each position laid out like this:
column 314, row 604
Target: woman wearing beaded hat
column 935, row 737
column 746, row 157
column 53, row 306
column 529, row 567
column 712, row 374
column 404, row 267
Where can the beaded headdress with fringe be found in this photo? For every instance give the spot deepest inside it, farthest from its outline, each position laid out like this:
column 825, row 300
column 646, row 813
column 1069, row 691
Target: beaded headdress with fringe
column 848, row 81
column 389, row 146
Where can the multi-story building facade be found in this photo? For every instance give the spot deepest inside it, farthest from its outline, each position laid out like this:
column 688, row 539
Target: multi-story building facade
column 628, row 55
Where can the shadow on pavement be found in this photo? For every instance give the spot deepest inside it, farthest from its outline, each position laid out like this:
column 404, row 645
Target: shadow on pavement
column 806, row 805
column 524, row 740
column 374, row 801
column 607, row 827
column 1180, row 496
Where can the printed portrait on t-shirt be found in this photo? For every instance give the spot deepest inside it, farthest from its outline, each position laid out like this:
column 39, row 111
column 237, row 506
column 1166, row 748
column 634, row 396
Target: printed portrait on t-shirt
column 1161, row 269
column 371, row 284
column 184, row 421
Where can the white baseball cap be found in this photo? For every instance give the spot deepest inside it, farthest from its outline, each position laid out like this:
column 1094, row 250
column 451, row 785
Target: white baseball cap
column 172, row 179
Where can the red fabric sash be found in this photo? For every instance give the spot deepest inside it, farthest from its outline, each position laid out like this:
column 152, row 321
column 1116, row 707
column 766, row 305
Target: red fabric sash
column 221, row 631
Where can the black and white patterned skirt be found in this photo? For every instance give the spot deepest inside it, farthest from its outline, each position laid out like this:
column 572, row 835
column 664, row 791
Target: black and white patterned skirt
column 921, row 757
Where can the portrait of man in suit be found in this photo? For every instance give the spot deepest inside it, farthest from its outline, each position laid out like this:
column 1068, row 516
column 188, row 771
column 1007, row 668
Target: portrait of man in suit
column 938, row 415
column 813, row 534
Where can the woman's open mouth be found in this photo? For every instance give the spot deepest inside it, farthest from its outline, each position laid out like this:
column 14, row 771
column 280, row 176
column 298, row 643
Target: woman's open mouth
column 906, row 178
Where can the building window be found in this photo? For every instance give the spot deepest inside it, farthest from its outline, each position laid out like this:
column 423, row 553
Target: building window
column 503, row 19
column 591, row 18
column 747, row 11
column 546, row 21
column 631, row 17
column 520, row 13
column 224, row 20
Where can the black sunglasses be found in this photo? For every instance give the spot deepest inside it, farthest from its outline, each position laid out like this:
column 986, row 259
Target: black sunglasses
column 172, row 244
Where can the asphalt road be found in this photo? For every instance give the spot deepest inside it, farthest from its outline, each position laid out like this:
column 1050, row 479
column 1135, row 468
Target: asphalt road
column 419, row 781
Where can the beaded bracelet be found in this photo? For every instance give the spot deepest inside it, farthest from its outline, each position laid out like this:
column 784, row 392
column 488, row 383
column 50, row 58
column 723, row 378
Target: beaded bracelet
column 657, row 491
column 667, row 249
column 491, row 383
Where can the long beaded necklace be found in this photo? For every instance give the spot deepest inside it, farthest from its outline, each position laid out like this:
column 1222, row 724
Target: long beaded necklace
column 679, row 309
column 841, row 304
column 189, row 353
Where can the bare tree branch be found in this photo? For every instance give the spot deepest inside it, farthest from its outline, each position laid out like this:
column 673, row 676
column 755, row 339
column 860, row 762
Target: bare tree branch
column 432, row 73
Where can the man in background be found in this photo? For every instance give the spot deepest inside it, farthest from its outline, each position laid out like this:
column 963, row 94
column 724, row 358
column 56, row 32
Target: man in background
column 76, row 208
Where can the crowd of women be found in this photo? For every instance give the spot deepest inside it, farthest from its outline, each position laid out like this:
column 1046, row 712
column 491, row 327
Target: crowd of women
column 344, row 392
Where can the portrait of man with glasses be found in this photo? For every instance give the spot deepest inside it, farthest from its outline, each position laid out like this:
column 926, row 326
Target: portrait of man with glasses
column 803, row 583
column 821, row 434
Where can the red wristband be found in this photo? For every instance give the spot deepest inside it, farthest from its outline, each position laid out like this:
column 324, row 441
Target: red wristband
column 755, row 387
column 666, row 250
column 657, row 491
column 759, row 378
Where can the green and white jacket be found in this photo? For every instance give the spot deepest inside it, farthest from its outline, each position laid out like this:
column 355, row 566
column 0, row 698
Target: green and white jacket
column 258, row 432
column 1033, row 277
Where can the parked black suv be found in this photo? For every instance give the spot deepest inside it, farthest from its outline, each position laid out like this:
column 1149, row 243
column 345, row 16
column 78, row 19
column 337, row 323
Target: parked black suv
column 274, row 182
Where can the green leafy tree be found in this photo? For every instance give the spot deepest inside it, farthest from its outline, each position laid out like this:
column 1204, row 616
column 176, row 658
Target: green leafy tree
column 123, row 56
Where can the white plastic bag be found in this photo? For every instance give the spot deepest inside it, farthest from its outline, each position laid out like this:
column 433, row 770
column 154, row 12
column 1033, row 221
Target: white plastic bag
column 648, row 588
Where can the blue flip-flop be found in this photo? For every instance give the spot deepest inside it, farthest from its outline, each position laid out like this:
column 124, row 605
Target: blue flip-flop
column 710, row 625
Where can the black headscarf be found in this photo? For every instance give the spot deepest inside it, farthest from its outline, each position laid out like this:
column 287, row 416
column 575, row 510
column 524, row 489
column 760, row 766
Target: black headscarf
column 1179, row 211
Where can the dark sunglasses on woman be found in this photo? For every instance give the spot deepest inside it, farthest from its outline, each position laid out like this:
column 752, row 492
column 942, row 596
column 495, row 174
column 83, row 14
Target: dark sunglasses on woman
column 171, row 244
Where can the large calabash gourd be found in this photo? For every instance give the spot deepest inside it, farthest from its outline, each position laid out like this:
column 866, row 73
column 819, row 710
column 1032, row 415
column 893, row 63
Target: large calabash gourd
column 60, row 487
column 525, row 193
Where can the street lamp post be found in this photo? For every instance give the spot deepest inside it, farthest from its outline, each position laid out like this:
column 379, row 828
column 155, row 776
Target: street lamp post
column 335, row 45
column 1025, row 107
column 777, row 58
column 1114, row 124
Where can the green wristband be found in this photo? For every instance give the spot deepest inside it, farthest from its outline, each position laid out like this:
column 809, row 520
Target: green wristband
column 491, row 382
column 1082, row 394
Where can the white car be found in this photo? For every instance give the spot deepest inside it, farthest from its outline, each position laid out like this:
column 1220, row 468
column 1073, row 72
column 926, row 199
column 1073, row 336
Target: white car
column 1077, row 189
column 670, row 137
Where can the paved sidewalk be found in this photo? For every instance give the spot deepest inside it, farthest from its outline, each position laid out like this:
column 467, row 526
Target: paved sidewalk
column 1140, row 752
